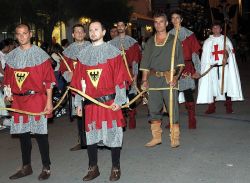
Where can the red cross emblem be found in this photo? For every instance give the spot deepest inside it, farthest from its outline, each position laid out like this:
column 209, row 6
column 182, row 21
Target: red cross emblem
column 216, row 52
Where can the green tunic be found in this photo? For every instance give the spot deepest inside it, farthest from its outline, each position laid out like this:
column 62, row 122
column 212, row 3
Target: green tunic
column 158, row 58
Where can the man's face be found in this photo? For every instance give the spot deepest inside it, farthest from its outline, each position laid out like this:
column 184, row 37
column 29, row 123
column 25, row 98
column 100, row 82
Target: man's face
column 160, row 24
column 95, row 32
column 216, row 29
column 23, row 35
column 121, row 28
column 176, row 20
column 113, row 32
column 78, row 34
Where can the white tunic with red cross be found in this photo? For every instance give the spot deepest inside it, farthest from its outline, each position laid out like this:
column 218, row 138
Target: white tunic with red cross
column 210, row 84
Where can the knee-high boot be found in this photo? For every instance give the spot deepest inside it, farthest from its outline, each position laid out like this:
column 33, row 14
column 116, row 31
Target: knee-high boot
column 132, row 120
column 175, row 135
column 191, row 115
column 156, row 134
column 229, row 106
column 211, row 108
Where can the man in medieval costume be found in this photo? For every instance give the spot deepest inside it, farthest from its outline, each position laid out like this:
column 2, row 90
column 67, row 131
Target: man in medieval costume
column 132, row 56
column 28, row 81
column 70, row 53
column 191, row 48
column 215, row 54
column 156, row 65
column 102, row 75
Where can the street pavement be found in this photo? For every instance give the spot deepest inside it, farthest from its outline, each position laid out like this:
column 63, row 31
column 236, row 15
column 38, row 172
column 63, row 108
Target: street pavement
column 218, row 151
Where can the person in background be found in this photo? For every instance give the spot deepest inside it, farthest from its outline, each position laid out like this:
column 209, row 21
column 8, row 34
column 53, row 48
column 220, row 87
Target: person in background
column 216, row 55
column 133, row 56
column 191, row 48
column 70, row 55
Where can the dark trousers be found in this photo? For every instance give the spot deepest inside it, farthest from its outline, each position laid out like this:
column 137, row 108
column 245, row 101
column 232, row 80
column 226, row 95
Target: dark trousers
column 81, row 131
column 26, row 146
column 188, row 94
column 92, row 154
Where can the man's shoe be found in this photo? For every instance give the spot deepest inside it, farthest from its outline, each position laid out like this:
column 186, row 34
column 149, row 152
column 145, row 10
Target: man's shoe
column 24, row 171
column 45, row 174
column 78, row 147
column 92, row 173
column 115, row 174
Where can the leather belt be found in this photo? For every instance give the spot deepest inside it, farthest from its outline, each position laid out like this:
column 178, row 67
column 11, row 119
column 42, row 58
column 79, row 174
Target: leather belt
column 102, row 99
column 159, row 73
column 218, row 73
column 219, row 65
column 29, row 92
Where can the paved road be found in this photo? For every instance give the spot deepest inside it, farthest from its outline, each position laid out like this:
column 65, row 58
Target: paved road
column 218, row 151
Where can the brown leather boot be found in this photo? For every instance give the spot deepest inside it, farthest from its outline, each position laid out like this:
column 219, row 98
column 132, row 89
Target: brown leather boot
column 76, row 147
column 92, row 173
column 115, row 174
column 24, row 171
column 175, row 135
column 45, row 174
column 156, row 133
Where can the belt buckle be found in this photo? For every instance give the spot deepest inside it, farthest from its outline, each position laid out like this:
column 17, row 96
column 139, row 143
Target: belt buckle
column 32, row 92
column 158, row 74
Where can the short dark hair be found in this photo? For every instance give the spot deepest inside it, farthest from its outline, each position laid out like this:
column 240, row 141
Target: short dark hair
column 64, row 42
column 98, row 21
column 23, row 25
column 217, row 23
column 122, row 22
column 77, row 25
column 178, row 12
column 160, row 14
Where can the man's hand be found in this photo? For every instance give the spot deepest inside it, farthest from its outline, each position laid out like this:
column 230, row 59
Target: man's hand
column 9, row 99
column 196, row 75
column 144, row 85
column 225, row 57
column 70, row 74
column 173, row 82
column 79, row 111
column 48, row 108
column 115, row 107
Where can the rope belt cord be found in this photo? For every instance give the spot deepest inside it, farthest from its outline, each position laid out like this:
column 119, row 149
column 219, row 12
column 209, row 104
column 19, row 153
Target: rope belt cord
column 36, row 114
column 80, row 93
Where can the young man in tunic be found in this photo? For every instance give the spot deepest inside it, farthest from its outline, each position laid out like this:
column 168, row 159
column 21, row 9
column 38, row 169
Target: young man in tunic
column 155, row 67
column 30, row 77
column 132, row 52
column 102, row 69
column 70, row 53
column 215, row 54
column 191, row 48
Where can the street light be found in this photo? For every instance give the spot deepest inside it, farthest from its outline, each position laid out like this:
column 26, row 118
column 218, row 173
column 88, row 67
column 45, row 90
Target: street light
column 4, row 34
column 85, row 20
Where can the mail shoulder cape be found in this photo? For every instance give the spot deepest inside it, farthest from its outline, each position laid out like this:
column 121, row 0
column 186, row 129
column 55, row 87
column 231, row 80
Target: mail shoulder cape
column 70, row 54
column 131, row 48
